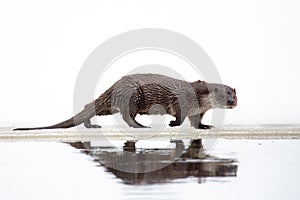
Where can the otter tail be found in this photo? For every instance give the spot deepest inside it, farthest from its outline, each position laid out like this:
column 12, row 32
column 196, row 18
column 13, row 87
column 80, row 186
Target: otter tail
column 81, row 117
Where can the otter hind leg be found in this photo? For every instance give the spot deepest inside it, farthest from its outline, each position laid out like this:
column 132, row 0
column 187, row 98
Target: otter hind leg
column 132, row 122
column 178, row 115
column 175, row 122
column 88, row 124
column 129, row 118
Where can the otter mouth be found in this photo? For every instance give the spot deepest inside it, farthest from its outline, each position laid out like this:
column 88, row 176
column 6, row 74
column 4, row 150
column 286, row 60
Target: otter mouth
column 225, row 105
column 230, row 106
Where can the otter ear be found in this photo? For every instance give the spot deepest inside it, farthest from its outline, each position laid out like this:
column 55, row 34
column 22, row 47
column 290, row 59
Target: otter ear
column 216, row 90
column 234, row 90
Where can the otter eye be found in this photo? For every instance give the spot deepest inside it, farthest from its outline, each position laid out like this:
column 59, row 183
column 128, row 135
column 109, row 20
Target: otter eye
column 216, row 90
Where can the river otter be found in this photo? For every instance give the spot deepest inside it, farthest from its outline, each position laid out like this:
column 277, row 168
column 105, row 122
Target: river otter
column 154, row 94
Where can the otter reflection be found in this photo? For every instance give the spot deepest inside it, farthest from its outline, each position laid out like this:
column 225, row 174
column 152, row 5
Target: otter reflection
column 147, row 166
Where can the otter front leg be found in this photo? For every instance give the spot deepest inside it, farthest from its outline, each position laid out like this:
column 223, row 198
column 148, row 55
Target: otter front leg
column 88, row 124
column 196, row 122
column 204, row 126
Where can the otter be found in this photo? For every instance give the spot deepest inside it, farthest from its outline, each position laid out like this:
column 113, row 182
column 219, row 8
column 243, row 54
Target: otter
column 154, row 94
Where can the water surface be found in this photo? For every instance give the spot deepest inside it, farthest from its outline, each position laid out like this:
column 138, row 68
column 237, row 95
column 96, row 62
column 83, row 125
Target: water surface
column 233, row 169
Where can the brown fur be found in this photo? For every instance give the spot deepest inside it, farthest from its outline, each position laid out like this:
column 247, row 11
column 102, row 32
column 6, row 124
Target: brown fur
column 154, row 94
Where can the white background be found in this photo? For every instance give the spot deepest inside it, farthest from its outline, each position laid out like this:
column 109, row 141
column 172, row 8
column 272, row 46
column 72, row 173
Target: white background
column 254, row 44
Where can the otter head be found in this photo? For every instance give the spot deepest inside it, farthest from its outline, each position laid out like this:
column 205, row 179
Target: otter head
column 222, row 96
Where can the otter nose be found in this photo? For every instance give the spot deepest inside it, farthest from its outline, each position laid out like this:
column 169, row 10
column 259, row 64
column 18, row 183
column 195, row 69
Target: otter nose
column 230, row 102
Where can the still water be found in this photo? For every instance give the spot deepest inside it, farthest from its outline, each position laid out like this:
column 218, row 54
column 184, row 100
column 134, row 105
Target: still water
column 233, row 169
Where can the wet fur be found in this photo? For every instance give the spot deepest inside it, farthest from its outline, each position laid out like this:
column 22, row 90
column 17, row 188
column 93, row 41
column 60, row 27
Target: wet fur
column 154, row 94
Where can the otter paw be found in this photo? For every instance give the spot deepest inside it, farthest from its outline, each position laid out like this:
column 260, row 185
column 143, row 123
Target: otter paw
column 96, row 126
column 93, row 126
column 174, row 123
column 203, row 126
